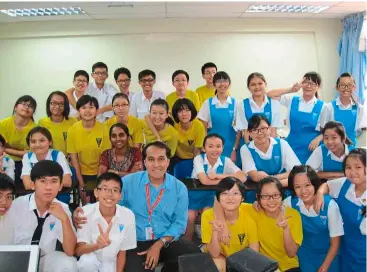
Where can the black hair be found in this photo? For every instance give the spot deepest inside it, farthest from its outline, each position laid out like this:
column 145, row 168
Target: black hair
column 253, row 75
column 122, row 70
column 163, row 103
column 6, row 183
column 213, row 135
column 227, row 184
column 344, row 75
column 359, row 153
column 339, row 129
column 81, row 73
column 120, row 95
column 268, row 180
column 66, row 111
column 157, row 144
column 123, row 127
column 87, row 99
column 221, row 75
column 46, row 168
column 315, row 78
column 179, row 72
column 208, row 65
column 2, row 140
column 44, row 131
column 145, row 73
column 107, row 177
column 255, row 121
column 26, row 99
column 181, row 104
column 309, row 172
column 99, row 65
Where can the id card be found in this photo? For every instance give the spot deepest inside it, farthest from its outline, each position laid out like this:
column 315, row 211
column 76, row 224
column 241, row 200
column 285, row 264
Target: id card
column 149, row 233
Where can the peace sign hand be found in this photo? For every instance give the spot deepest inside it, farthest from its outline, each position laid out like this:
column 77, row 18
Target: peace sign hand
column 282, row 219
column 103, row 239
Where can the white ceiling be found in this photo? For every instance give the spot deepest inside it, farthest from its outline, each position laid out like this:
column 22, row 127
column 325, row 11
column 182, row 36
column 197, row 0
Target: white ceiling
column 135, row 10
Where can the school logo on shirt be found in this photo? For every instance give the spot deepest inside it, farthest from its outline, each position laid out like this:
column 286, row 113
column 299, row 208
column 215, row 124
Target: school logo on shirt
column 314, row 115
column 323, row 219
column 190, row 142
column 267, row 115
column 277, row 159
column 121, row 227
column 99, row 141
column 241, row 237
column 52, row 225
column 231, row 113
column 65, row 135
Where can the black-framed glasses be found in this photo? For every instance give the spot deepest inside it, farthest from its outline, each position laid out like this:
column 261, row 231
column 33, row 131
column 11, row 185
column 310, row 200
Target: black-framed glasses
column 257, row 131
column 267, row 197
column 310, row 83
column 149, row 80
column 345, row 86
column 54, row 104
column 123, row 80
column 120, row 106
column 100, row 73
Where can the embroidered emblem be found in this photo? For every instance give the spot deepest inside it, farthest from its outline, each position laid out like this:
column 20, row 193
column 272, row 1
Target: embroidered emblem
column 190, row 142
column 65, row 135
column 52, row 225
column 323, row 219
column 99, row 140
column 241, row 237
column 121, row 227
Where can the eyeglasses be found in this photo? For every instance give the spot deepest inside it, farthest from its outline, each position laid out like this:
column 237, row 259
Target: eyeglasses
column 180, row 81
column 345, row 86
column 54, row 104
column 100, row 73
column 123, row 80
column 267, row 197
column 210, row 73
column 120, row 106
column 257, row 131
column 309, row 83
column 108, row 190
column 149, row 80
column 222, row 81
column 228, row 194
column 27, row 105
column 78, row 81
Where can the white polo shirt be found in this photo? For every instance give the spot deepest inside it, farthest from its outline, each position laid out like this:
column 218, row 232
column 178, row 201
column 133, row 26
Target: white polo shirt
column 104, row 97
column 122, row 235
column 6, row 231
column 289, row 158
column 316, row 161
column 335, row 186
column 335, row 221
column 204, row 113
column 328, row 113
column 140, row 105
column 286, row 101
column 28, row 163
column 9, row 166
column 24, row 223
column 241, row 121
column 199, row 162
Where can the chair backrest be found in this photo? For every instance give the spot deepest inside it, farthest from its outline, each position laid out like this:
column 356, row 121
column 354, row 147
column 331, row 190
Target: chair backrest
column 183, row 169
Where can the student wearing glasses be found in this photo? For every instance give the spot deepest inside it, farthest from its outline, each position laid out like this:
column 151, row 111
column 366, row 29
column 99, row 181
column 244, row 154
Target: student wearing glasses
column 303, row 114
column 207, row 91
column 123, row 79
column 58, row 121
column 266, row 156
column 80, row 88
column 346, row 109
column 140, row 103
column 15, row 129
column 121, row 106
column 180, row 80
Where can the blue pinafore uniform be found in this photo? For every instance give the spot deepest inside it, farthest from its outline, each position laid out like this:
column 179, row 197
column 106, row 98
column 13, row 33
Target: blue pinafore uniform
column 348, row 118
column 329, row 165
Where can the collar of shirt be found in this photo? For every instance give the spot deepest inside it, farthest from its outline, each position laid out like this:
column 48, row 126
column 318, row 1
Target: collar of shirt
column 215, row 100
column 33, row 206
column 97, row 213
column 268, row 152
column 144, row 98
column 304, row 210
column 335, row 158
column 312, row 101
column 167, row 183
column 253, row 103
column 33, row 158
column 94, row 86
column 216, row 165
column 339, row 103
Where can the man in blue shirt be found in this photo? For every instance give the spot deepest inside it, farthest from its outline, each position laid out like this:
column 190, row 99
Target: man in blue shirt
column 159, row 202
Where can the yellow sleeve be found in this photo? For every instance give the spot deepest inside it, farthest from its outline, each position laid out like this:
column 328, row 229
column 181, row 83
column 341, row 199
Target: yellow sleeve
column 41, row 122
column 295, row 225
column 196, row 101
column 252, row 230
column 138, row 137
column 206, row 227
column 106, row 139
column 172, row 141
column 200, row 135
column 71, row 142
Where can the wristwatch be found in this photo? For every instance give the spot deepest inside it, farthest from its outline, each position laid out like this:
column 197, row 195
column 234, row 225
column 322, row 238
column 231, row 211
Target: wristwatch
column 235, row 149
column 165, row 242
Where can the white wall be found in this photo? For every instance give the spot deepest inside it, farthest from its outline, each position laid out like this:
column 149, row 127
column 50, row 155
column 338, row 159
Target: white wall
column 39, row 57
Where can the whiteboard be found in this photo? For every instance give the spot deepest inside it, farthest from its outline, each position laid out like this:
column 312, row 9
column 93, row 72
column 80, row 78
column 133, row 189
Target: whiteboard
column 41, row 65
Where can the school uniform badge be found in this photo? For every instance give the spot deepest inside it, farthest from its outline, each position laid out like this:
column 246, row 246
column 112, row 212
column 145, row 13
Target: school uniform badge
column 190, row 142
column 99, row 141
column 52, row 225
column 241, row 237
column 121, row 227
column 65, row 135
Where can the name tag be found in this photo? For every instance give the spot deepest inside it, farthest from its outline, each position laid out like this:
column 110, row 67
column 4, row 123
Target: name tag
column 149, row 233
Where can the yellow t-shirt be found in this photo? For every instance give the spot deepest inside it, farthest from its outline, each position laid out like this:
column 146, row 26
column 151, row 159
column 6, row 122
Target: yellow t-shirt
column 168, row 135
column 243, row 232
column 205, row 93
column 191, row 95
column 134, row 126
column 15, row 138
column 189, row 139
column 59, row 131
column 271, row 236
column 88, row 144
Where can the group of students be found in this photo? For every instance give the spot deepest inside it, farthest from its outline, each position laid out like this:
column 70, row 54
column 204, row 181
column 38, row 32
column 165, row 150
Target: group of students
column 96, row 135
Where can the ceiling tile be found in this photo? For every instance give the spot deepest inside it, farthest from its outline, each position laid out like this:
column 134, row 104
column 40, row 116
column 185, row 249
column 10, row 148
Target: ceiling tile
column 128, row 16
column 203, row 15
column 205, row 7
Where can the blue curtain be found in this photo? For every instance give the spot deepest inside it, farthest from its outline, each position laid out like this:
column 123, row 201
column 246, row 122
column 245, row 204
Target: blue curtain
column 351, row 59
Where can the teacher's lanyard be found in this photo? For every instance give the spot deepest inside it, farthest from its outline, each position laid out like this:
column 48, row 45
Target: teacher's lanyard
column 152, row 208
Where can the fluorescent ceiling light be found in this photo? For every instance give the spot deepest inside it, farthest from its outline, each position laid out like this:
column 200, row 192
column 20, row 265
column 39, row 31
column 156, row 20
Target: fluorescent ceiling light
column 287, row 8
column 32, row 12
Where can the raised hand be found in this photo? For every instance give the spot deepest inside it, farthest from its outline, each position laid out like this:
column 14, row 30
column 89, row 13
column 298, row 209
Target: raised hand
column 103, row 239
column 57, row 211
column 78, row 218
column 282, row 219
